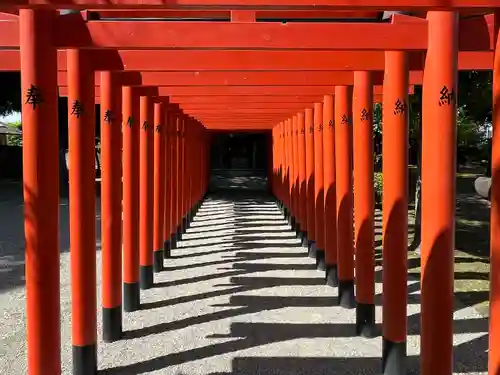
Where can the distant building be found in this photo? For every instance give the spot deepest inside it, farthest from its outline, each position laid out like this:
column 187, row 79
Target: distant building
column 6, row 130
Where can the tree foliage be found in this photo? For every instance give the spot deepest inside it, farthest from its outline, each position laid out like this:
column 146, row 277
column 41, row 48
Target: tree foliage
column 10, row 93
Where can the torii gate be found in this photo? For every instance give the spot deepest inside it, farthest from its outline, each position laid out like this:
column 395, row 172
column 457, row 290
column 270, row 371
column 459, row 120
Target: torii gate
column 343, row 47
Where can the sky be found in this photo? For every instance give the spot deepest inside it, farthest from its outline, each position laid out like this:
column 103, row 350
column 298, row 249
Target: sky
column 15, row 117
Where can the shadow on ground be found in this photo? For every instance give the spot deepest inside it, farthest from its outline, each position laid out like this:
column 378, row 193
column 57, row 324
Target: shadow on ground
column 247, row 257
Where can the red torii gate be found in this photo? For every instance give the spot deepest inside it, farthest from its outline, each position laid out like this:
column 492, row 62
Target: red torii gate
column 38, row 55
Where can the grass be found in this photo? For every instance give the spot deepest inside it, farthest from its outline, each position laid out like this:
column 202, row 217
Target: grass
column 472, row 266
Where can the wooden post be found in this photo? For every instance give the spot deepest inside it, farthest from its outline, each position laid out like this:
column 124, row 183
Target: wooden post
column 494, row 316
column 311, row 226
column 159, row 186
column 111, row 206
column 82, row 211
column 343, row 155
column 364, row 203
column 131, row 292
column 41, row 190
column 330, row 193
column 319, row 193
column 438, row 193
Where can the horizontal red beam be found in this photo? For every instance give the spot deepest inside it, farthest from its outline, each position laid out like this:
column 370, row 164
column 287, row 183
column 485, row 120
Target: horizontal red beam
column 261, row 4
column 72, row 31
column 247, row 78
column 238, row 99
column 207, row 60
column 240, row 90
column 246, row 106
column 218, row 14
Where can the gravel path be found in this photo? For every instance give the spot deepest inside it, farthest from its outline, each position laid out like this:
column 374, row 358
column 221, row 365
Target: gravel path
column 239, row 296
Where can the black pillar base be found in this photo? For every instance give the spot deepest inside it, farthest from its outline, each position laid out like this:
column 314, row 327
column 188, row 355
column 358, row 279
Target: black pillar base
column 166, row 249
column 179, row 233
column 173, row 241
column 85, row 360
column 332, row 276
column 320, row 260
column 184, row 225
column 346, row 294
column 305, row 242
column 365, row 320
column 146, row 277
column 393, row 357
column 291, row 221
column 286, row 214
column 131, row 297
column 312, row 249
column 112, row 329
column 158, row 261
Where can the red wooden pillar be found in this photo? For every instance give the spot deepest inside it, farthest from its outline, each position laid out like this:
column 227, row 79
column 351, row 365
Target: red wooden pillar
column 494, row 316
column 309, row 140
column 282, row 166
column 187, row 171
column 301, row 150
column 273, row 156
column 41, row 190
column 295, row 177
column 343, row 170
column 111, row 206
column 330, row 194
column 364, row 203
column 319, row 193
column 131, row 293
column 146, row 152
column 82, row 211
column 395, row 211
column 289, row 157
column 184, row 177
column 159, row 186
column 167, row 157
column 175, row 177
column 180, row 175
column 294, row 173
column 286, row 148
column 438, row 193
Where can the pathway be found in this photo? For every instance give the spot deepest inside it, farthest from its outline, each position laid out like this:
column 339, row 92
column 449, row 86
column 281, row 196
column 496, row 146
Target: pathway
column 239, row 296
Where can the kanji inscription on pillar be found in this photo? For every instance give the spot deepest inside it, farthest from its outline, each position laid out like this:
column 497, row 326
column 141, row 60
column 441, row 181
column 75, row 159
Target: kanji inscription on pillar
column 158, row 128
column 109, row 116
column 76, row 109
column 145, row 126
column 399, row 107
column 130, row 121
column 34, row 96
column 365, row 114
column 320, row 127
column 345, row 120
column 446, row 96
column 311, row 129
column 330, row 124
column 303, row 130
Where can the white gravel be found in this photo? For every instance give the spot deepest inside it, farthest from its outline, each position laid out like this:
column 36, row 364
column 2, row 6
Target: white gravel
column 240, row 296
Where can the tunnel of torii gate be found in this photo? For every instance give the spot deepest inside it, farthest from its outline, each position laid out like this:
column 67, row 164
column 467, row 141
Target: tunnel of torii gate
column 230, row 65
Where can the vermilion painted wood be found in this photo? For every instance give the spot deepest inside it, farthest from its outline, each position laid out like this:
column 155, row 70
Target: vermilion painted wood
column 334, row 4
column 206, row 13
column 494, row 311
column 238, row 90
column 111, row 195
column 439, row 179
column 81, row 121
column 71, row 32
column 248, row 78
column 203, row 60
column 41, row 196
